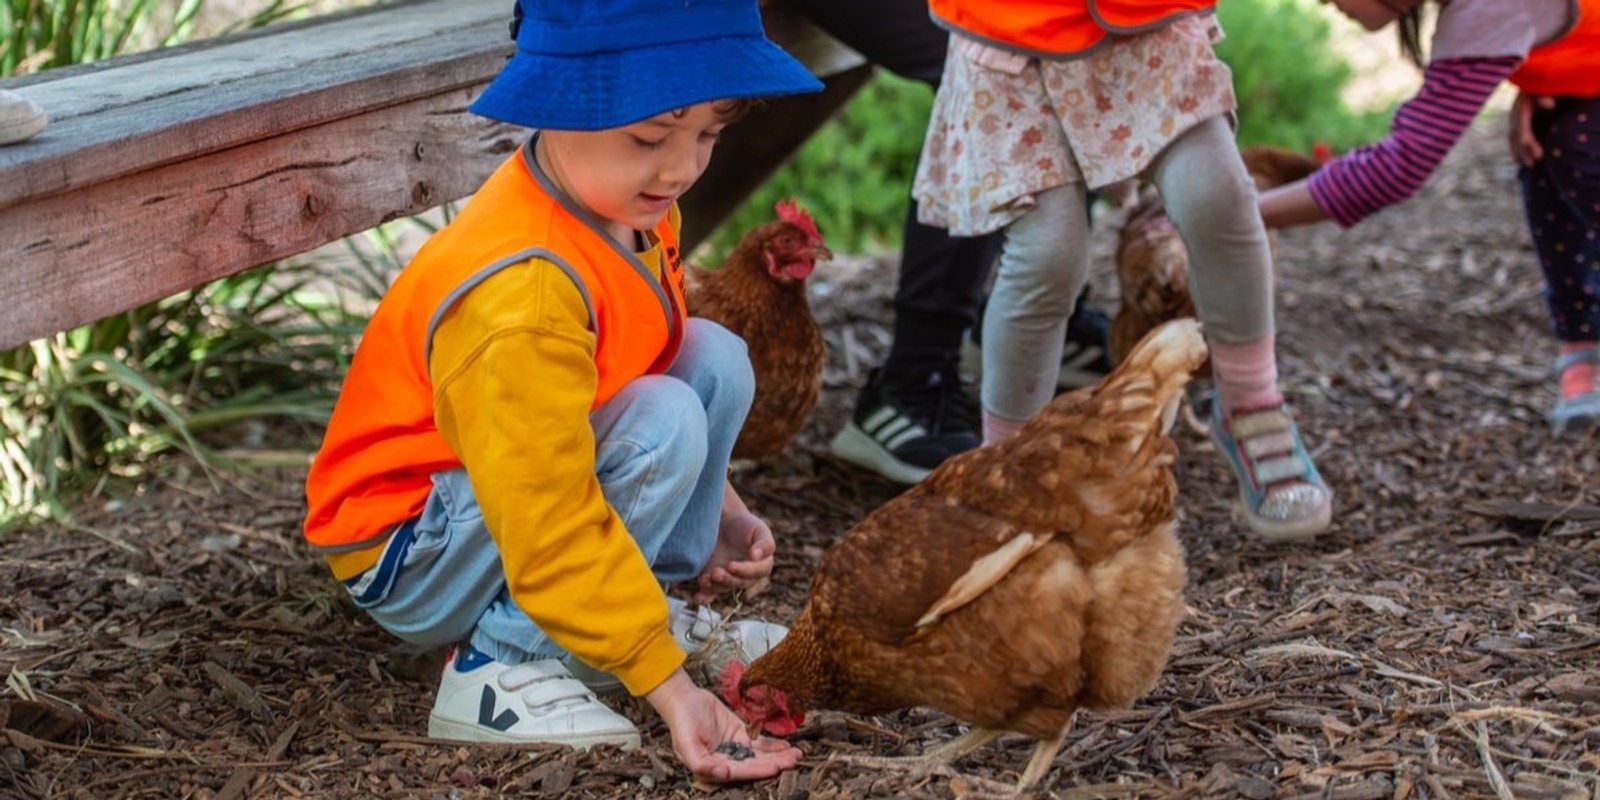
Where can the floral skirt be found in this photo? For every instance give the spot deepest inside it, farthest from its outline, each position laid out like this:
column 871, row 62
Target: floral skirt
column 997, row 136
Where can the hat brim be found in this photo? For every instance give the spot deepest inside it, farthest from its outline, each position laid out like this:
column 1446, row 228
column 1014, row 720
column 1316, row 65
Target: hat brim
column 595, row 92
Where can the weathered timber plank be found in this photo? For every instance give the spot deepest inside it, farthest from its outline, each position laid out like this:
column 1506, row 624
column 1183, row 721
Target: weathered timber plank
column 123, row 119
column 211, row 216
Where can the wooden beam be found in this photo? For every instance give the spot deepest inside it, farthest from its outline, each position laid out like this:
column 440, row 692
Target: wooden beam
column 162, row 171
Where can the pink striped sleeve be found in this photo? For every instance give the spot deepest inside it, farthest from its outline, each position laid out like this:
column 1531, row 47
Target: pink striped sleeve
column 1373, row 177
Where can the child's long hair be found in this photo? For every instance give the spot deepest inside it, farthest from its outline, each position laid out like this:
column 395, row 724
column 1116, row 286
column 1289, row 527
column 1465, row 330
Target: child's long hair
column 1408, row 27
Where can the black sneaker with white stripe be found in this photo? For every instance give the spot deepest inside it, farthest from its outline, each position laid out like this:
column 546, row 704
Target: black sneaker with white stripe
column 903, row 431
column 1085, row 355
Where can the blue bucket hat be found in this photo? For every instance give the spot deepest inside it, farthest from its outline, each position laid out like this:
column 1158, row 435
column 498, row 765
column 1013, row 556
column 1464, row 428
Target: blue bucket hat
column 585, row 65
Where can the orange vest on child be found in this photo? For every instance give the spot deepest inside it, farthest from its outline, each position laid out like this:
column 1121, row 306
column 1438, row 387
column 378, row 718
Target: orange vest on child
column 1570, row 65
column 382, row 445
column 1055, row 28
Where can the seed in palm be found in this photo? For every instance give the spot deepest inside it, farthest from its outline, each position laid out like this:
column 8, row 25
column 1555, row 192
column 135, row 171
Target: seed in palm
column 735, row 750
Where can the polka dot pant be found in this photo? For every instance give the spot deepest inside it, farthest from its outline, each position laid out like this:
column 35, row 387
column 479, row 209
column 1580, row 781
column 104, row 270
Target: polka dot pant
column 1561, row 197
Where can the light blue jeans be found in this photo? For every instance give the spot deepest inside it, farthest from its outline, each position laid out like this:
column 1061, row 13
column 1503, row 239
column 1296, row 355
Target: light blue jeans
column 661, row 452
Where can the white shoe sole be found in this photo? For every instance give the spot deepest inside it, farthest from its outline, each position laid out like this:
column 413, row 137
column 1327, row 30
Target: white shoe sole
column 855, row 446
column 442, row 728
column 1299, row 530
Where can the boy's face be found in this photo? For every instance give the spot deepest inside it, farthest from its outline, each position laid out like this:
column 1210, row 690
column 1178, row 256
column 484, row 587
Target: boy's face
column 630, row 176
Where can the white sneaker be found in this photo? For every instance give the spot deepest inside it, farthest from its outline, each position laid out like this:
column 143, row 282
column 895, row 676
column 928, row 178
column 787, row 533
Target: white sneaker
column 20, row 118
column 710, row 641
column 483, row 700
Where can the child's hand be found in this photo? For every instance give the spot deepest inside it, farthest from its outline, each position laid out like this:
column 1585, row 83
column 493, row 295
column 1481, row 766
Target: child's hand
column 700, row 724
column 1525, row 147
column 742, row 558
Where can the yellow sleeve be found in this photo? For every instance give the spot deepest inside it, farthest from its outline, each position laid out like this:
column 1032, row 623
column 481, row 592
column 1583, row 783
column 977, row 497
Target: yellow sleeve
column 514, row 378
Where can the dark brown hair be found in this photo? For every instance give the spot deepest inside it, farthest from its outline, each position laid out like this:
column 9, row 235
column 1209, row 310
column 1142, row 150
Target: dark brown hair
column 1408, row 27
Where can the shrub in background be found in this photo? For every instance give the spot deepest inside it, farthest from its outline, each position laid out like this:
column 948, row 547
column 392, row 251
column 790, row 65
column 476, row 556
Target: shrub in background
column 1289, row 81
column 854, row 175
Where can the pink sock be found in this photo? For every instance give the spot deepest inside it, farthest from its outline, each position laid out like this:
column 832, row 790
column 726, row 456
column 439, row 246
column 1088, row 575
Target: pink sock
column 998, row 428
column 1579, row 377
column 1246, row 374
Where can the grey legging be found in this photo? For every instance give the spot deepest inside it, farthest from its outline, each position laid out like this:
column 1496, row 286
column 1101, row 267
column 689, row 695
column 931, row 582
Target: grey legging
column 1045, row 263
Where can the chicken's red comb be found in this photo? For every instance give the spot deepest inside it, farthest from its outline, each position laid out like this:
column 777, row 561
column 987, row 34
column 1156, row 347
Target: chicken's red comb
column 730, row 682
column 790, row 211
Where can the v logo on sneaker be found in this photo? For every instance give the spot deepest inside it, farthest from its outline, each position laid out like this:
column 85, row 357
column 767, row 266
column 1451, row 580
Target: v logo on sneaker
column 486, row 716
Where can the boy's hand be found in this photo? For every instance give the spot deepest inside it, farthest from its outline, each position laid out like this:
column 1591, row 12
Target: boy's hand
column 700, row 723
column 742, row 558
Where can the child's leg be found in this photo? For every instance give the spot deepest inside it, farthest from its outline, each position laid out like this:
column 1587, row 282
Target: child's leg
column 662, row 447
column 1212, row 201
column 1561, row 198
column 1043, row 266
column 676, row 521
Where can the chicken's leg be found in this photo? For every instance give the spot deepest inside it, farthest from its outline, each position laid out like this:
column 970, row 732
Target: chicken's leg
column 1044, row 754
column 932, row 759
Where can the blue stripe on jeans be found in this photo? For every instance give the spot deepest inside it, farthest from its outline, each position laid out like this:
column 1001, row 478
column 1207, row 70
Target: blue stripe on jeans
column 371, row 587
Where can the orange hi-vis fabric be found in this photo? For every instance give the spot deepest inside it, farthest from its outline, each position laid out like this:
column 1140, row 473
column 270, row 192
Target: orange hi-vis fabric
column 1051, row 28
column 1570, row 65
column 382, row 444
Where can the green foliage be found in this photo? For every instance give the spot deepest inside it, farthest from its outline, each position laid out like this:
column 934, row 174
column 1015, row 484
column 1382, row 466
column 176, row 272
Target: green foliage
column 98, row 402
column 855, row 174
column 1288, row 80
column 41, row 34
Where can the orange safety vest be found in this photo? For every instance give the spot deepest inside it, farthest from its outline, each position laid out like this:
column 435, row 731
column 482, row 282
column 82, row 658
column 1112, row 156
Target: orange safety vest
column 1570, row 65
column 1055, row 28
column 382, row 445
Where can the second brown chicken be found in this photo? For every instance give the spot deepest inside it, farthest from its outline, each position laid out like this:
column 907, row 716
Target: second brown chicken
column 759, row 293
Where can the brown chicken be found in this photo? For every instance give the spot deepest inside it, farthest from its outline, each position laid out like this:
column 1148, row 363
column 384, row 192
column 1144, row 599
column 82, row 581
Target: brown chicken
column 1153, row 264
column 759, row 293
column 1015, row 584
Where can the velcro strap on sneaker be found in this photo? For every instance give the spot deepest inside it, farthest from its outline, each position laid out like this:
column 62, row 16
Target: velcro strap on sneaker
column 1588, row 355
column 1267, row 444
column 555, row 690
column 1274, row 470
column 1255, row 423
column 533, row 672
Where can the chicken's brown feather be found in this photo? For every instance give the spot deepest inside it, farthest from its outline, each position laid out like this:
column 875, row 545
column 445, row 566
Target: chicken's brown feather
column 773, row 316
column 1084, row 620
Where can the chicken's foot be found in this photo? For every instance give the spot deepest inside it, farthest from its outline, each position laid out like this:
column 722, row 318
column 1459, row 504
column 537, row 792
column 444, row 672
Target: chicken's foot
column 969, row 787
column 932, row 759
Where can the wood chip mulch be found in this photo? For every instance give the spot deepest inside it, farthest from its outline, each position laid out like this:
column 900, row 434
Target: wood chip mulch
column 1442, row 642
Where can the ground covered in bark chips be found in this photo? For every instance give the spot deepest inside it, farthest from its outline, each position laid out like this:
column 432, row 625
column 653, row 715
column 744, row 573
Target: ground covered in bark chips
column 1442, row 642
